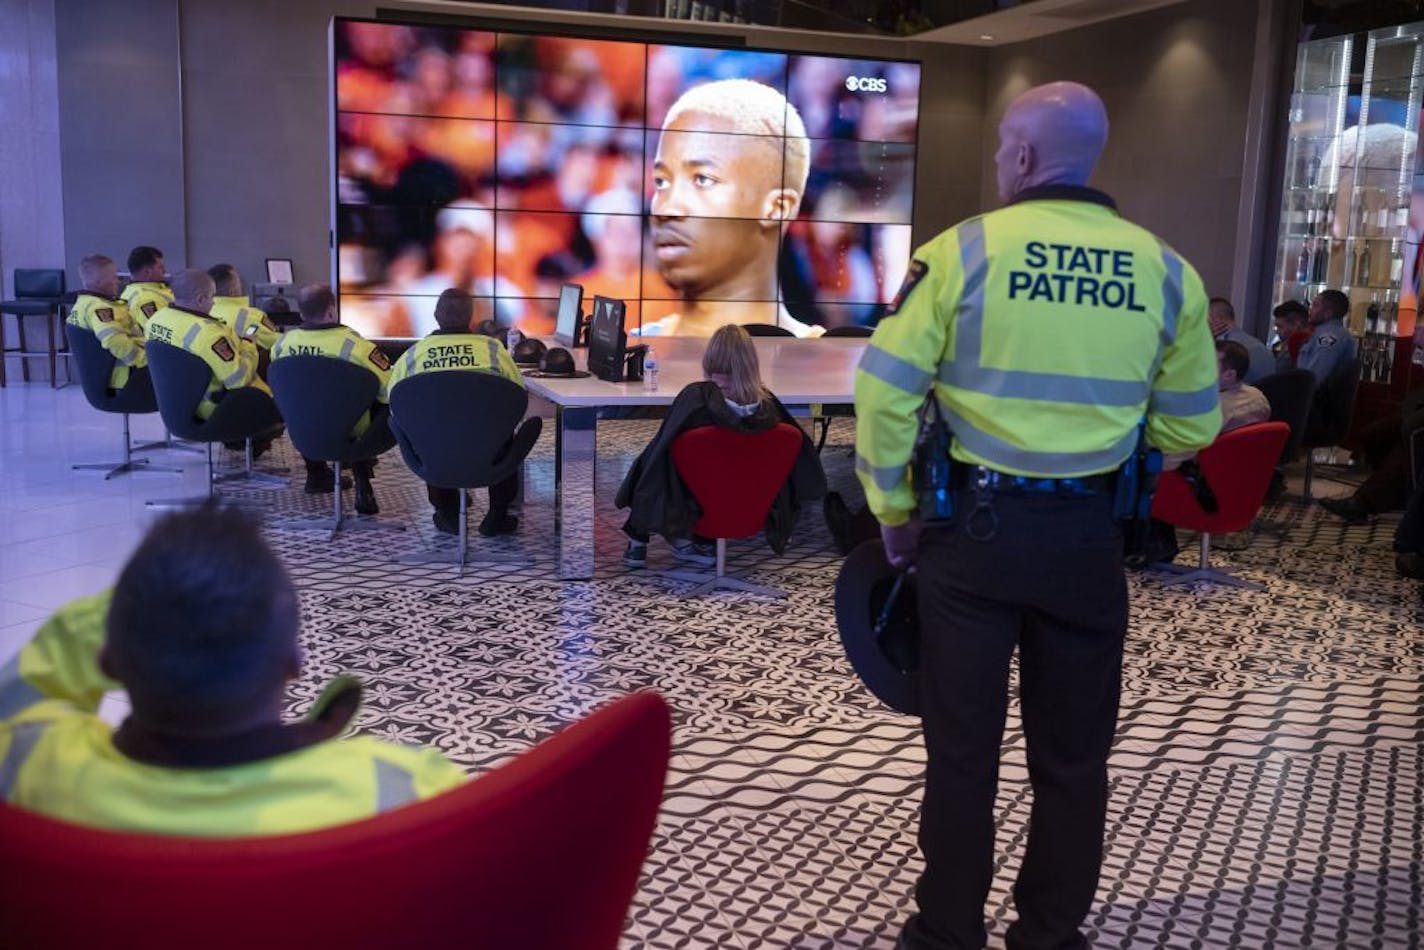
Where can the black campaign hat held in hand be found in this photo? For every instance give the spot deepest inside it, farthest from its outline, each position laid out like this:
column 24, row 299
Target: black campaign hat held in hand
column 883, row 646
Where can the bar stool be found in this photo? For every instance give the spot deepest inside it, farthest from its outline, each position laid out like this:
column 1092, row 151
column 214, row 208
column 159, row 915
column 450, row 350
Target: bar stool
column 39, row 292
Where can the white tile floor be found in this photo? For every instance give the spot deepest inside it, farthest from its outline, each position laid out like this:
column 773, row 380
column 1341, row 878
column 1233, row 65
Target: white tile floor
column 1266, row 780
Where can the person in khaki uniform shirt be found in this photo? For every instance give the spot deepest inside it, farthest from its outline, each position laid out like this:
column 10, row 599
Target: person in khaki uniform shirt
column 232, row 308
column 322, row 334
column 204, row 751
column 99, row 310
column 146, row 293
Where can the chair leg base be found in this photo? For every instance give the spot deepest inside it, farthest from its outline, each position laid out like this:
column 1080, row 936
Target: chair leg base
column 335, row 526
column 257, row 478
column 1182, row 574
column 120, row 468
column 197, row 501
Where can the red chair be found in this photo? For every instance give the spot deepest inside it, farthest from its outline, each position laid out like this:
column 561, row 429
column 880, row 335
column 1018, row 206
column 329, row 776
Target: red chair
column 735, row 477
column 1237, row 467
column 544, row 851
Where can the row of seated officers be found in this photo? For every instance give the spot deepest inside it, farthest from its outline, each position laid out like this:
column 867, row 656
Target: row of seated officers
column 203, row 314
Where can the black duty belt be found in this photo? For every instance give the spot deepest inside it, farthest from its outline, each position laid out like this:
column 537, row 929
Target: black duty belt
column 1087, row 486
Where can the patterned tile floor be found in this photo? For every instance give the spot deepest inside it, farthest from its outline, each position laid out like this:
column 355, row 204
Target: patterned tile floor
column 1268, row 781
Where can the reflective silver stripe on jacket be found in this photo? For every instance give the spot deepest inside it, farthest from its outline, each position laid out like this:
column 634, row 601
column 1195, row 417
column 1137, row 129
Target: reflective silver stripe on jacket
column 346, row 349
column 190, row 336
column 966, row 371
column 395, row 786
column 886, row 477
column 24, row 736
column 1045, row 464
column 16, row 693
column 894, row 371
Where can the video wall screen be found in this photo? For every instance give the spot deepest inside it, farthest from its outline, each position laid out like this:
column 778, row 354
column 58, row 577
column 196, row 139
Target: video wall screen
column 703, row 186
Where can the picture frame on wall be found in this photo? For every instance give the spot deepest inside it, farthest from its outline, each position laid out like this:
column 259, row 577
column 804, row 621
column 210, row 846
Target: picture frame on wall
column 279, row 270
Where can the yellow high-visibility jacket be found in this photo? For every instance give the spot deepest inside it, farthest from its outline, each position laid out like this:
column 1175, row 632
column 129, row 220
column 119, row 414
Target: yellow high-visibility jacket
column 60, row 759
column 459, row 351
column 237, row 313
column 233, row 362
column 110, row 321
column 1047, row 330
column 145, row 298
column 341, row 343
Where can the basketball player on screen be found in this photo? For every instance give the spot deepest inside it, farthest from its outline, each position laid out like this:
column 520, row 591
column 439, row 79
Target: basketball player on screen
column 730, row 171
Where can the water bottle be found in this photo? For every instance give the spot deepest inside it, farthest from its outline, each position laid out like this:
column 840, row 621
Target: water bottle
column 650, row 371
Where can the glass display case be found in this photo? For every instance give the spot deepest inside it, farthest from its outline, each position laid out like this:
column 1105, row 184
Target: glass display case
column 1351, row 219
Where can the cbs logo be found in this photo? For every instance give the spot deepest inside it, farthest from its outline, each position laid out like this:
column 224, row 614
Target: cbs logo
column 865, row 84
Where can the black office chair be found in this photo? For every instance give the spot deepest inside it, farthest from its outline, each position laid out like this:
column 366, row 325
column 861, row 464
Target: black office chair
column 321, row 400
column 851, row 330
column 1332, row 410
column 96, row 367
column 766, row 329
column 180, row 380
column 39, row 292
column 461, row 430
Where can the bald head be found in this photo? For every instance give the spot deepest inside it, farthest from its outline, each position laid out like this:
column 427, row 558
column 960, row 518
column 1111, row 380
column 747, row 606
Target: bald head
column 193, row 289
column 1051, row 135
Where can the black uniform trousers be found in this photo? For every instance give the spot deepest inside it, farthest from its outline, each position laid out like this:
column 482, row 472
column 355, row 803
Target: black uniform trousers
column 1049, row 582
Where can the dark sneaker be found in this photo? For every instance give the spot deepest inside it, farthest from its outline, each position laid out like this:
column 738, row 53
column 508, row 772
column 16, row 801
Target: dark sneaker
column 701, row 553
column 446, row 523
column 838, row 520
column 366, row 498
column 495, row 524
column 636, row 554
column 1348, row 508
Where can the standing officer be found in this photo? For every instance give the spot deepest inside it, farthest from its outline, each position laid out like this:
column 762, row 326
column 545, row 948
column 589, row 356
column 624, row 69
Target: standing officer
column 1047, row 330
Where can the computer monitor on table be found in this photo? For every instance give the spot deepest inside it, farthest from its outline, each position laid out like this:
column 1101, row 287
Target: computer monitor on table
column 607, row 339
column 569, row 328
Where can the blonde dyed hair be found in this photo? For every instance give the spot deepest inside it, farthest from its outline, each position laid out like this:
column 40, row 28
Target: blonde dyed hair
column 753, row 108
column 731, row 353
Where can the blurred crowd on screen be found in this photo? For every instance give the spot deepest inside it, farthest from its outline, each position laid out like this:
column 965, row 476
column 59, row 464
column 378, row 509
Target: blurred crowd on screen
column 508, row 165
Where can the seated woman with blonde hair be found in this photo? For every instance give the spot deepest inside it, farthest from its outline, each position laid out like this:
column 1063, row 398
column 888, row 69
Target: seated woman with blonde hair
column 732, row 396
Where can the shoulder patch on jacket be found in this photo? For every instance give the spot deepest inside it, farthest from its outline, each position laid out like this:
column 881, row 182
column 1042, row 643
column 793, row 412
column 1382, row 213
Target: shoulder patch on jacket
column 105, row 314
column 224, row 350
column 378, row 357
column 149, row 308
column 1327, row 341
column 916, row 273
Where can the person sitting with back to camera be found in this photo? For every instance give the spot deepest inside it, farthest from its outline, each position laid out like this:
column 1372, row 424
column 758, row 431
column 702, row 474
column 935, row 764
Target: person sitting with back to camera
column 188, row 324
column 322, row 334
column 732, row 396
column 99, row 310
column 454, row 346
column 201, row 630
column 232, row 307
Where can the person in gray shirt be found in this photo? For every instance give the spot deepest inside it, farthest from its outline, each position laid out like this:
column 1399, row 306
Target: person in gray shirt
column 1221, row 316
column 1330, row 343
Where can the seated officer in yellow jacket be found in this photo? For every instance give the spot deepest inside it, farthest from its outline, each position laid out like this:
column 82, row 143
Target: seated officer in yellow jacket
column 204, row 751
column 321, row 334
column 231, row 307
column 185, row 323
column 146, row 293
column 99, row 310
column 455, row 347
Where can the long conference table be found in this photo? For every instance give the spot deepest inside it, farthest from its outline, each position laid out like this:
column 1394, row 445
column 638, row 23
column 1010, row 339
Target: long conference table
column 799, row 372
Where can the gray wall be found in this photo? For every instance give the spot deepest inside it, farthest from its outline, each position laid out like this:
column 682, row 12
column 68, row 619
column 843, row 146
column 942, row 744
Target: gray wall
column 31, row 233
column 120, row 128
column 1176, row 83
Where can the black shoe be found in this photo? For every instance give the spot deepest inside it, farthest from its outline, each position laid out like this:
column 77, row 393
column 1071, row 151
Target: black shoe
column 501, row 523
column 319, row 480
column 446, row 522
column 1410, row 564
column 1348, row 508
column 635, row 555
column 366, row 498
